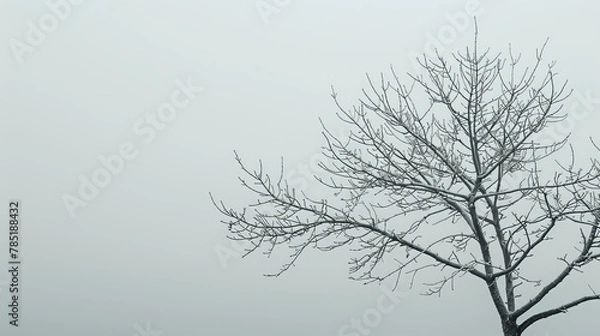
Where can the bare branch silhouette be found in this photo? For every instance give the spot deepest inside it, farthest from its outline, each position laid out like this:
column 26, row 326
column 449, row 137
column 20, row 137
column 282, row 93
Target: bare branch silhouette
column 445, row 172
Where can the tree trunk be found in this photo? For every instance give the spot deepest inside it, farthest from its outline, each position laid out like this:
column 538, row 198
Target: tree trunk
column 510, row 328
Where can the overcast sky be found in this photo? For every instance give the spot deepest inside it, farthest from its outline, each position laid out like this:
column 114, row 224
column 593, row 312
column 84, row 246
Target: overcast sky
column 163, row 92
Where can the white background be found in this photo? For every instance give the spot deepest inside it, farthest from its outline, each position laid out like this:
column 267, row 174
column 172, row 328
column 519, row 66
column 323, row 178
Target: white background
column 144, row 248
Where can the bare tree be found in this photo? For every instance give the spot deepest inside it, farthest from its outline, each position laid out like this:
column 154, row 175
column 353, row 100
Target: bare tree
column 455, row 181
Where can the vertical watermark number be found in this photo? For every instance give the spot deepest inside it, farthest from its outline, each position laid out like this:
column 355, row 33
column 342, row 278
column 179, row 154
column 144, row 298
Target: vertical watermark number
column 14, row 262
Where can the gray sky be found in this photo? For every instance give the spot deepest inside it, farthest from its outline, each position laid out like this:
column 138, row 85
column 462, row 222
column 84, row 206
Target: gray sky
column 143, row 249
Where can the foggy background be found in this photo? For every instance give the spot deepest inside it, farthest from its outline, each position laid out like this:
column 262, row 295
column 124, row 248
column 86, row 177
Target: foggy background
column 146, row 255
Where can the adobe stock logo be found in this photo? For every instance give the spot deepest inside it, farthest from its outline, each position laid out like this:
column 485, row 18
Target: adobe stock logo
column 146, row 330
column 236, row 251
column 300, row 177
column 373, row 316
column 37, row 32
column 580, row 110
column 146, row 128
column 268, row 8
column 446, row 35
